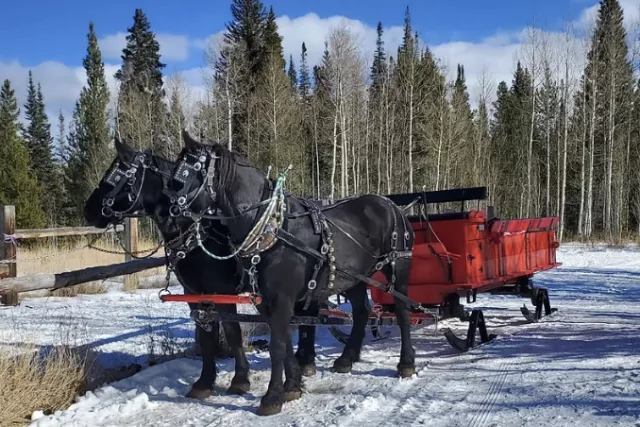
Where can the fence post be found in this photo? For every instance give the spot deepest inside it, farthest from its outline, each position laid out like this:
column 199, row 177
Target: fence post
column 8, row 248
column 131, row 246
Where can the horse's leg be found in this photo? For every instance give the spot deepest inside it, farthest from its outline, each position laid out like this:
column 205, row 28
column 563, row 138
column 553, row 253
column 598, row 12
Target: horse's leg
column 293, row 375
column 281, row 312
column 306, row 353
column 240, row 383
column 359, row 310
column 406, row 366
column 203, row 387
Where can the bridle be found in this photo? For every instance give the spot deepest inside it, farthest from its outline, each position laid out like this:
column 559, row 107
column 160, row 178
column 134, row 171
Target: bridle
column 124, row 176
column 186, row 174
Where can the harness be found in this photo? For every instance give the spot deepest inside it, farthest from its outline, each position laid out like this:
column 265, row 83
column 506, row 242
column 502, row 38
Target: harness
column 270, row 227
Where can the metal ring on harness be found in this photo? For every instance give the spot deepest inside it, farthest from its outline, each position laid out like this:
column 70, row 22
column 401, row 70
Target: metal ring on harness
column 182, row 200
column 324, row 249
column 379, row 265
column 255, row 259
column 181, row 254
column 197, row 167
column 174, row 210
column 312, row 284
column 107, row 211
column 163, row 292
column 109, row 201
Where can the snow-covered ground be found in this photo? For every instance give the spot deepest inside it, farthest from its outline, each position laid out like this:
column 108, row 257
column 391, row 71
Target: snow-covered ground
column 580, row 367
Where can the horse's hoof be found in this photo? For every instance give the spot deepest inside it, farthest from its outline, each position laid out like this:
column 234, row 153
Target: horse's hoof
column 199, row 393
column 406, row 371
column 341, row 369
column 239, row 388
column 264, row 410
column 308, row 370
column 292, row 395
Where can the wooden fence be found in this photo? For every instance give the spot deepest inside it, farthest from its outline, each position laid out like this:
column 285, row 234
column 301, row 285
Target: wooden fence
column 11, row 284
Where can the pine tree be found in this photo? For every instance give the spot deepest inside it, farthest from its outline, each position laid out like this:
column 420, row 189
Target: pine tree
column 89, row 136
column 141, row 88
column 293, row 75
column 305, row 79
column 247, row 29
column 19, row 185
column 272, row 40
column 608, row 92
column 379, row 66
column 38, row 137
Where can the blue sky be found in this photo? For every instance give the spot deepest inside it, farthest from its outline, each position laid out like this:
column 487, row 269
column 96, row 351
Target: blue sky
column 49, row 38
column 58, row 29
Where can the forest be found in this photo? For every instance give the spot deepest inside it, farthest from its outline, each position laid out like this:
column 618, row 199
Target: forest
column 561, row 138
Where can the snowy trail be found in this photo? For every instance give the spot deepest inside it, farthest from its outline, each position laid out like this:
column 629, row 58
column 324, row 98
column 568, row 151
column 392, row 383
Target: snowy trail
column 580, row 366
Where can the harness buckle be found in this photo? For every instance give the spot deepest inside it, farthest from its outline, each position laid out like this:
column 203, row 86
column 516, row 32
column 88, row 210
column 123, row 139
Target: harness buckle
column 197, row 166
column 255, row 260
column 324, row 249
column 182, row 200
column 109, row 201
column 181, row 254
column 312, row 284
column 379, row 265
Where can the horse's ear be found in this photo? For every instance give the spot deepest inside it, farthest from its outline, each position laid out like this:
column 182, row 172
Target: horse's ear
column 124, row 151
column 189, row 142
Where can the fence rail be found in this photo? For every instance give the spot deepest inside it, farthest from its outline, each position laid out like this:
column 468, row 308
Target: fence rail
column 11, row 284
column 40, row 233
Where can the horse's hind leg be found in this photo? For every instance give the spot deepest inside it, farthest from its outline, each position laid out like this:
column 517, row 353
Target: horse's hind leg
column 360, row 312
column 406, row 367
column 240, row 383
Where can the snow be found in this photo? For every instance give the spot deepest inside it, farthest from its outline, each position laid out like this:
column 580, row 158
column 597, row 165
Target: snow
column 580, row 366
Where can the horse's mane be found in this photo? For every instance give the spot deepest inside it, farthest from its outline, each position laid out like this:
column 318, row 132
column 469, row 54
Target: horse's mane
column 164, row 165
column 227, row 165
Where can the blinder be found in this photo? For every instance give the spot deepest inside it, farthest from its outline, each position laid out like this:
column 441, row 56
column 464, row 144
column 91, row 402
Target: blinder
column 186, row 174
column 118, row 178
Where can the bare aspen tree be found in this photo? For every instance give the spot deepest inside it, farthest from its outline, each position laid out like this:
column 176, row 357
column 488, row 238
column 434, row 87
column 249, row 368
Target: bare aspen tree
column 531, row 56
column 226, row 85
column 180, row 107
column 347, row 80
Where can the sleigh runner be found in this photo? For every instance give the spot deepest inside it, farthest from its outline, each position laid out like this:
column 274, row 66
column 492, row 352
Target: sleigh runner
column 455, row 255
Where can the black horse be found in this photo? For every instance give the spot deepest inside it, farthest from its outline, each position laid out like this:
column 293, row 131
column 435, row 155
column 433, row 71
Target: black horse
column 276, row 234
column 136, row 182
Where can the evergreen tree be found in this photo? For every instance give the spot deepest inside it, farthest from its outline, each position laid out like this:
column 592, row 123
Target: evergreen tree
column 141, row 88
column 305, row 79
column 19, row 184
column 89, row 137
column 379, row 66
column 293, row 75
column 37, row 136
column 608, row 91
column 272, row 40
column 246, row 29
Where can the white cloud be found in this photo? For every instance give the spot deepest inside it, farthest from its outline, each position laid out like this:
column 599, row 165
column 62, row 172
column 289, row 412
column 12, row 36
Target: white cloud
column 173, row 47
column 61, row 84
column 313, row 31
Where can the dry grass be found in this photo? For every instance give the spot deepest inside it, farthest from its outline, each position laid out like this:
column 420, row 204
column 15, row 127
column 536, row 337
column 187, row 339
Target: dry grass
column 32, row 382
column 60, row 255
